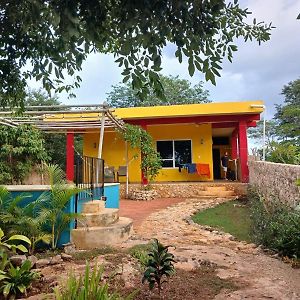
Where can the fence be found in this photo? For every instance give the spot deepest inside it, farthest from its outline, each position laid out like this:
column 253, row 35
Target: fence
column 89, row 176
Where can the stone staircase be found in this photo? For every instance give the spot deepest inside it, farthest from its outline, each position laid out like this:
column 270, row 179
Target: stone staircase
column 216, row 191
column 100, row 226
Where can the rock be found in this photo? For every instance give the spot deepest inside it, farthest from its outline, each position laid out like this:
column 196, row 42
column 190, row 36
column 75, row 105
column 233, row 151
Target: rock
column 40, row 263
column 33, row 259
column 17, row 260
column 56, row 260
column 66, row 256
column 69, row 248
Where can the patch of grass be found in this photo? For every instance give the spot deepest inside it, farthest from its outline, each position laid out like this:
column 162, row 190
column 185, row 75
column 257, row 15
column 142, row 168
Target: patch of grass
column 140, row 252
column 140, row 247
column 232, row 217
column 90, row 254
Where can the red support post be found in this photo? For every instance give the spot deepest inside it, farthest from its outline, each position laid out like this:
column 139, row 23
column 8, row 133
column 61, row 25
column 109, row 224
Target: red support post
column 70, row 156
column 144, row 179
column 234, row 149
column 243, row 151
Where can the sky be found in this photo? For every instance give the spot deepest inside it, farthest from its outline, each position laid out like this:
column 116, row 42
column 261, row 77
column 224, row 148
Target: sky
column 257, row 72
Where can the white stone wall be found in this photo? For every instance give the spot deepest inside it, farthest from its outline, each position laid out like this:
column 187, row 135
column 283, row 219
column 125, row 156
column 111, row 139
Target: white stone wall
column 275, row 180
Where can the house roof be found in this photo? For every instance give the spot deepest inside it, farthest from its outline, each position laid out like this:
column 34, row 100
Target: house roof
column 190, row 110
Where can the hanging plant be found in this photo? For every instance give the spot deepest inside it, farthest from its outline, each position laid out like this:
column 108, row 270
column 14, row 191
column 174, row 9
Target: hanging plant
column 139, row 138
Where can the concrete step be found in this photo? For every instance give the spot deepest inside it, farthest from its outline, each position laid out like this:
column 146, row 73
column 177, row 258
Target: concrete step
column 215, row 188
column 94, row 206
column 219, row 194
column 105, row 217
column 97, row 237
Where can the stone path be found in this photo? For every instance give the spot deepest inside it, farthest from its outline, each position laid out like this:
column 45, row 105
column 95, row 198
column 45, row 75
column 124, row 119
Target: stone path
column 260, row 276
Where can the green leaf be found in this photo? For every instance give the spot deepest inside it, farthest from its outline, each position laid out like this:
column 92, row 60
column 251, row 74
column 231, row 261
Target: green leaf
column 191, row 67
column 20, row 238
column 21, row 248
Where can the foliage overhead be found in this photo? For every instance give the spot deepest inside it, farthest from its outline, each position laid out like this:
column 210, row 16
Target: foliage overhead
column 176, row 91
column 139, row 138
column 22, row 147
column 47, row 40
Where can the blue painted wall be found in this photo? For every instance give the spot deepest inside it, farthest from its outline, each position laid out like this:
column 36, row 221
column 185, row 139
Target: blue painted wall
column 112, row 192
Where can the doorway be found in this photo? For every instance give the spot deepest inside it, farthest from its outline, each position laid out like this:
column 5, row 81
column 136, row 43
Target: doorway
column 216, row 163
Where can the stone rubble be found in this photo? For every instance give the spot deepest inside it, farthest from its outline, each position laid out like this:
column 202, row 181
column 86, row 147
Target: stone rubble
column 261, row 275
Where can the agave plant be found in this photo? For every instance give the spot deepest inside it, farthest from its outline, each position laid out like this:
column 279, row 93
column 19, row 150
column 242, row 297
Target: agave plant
column 160, row 265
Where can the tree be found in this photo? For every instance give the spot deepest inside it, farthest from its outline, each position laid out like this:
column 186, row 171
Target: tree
column 47, row 40
column 177, row 91
column 288, row 114
column 22, row 147
column 55, row 143
column 283, row 132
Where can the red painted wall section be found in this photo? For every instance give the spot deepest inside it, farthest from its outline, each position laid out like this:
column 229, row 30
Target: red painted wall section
column 234, row 149
column 243, row 151
column 70, row 157
column 144, row 180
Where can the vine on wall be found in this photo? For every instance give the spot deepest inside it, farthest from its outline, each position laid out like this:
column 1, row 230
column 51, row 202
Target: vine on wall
column 139, row 138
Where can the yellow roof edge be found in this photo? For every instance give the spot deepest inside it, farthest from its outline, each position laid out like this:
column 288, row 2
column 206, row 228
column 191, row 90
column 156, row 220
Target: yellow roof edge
column 185, row 110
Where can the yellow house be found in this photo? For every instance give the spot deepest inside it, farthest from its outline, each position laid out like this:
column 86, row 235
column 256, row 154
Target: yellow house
column 191, row 139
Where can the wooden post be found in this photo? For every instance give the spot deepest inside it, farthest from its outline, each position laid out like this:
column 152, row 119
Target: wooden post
column 70, row 156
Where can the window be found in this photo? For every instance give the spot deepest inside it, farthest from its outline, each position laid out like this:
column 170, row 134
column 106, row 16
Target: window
column 174, row 153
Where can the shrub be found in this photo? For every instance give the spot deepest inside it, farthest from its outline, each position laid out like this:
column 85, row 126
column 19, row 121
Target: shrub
column 16, row 280
column 275, row 226
column 159, row 265
column 87, row 287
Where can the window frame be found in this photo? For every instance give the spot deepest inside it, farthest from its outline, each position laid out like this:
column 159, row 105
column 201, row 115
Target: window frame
column 173, row 145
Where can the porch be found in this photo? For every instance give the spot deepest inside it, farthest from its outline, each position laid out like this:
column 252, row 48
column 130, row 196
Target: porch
column 218, row 188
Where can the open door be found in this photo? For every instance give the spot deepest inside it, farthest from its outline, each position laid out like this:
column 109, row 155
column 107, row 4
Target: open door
column 216, row 163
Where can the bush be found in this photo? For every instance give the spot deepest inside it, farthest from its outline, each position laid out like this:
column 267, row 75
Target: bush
column 16, row 280
column 87, row 287
column 275, row 226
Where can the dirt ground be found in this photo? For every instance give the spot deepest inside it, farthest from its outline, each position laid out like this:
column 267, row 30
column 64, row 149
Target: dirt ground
column 258, row 275
column 210, row 264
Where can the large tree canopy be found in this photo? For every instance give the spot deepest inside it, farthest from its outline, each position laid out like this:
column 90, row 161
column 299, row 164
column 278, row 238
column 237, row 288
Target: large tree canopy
column 288, row 114
column 176, row 91
column 283, row 132
column 49, row 39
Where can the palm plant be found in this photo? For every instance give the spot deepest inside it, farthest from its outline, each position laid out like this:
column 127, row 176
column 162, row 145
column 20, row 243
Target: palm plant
column 25, row 220
column 56, row 202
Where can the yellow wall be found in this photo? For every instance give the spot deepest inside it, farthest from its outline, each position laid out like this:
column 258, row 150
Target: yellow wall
column 114, row 152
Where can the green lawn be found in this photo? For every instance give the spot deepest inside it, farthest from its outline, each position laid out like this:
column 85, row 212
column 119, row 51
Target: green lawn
column 230, row 217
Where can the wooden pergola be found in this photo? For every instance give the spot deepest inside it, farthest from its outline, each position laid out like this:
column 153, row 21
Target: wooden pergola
column 67, row 119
